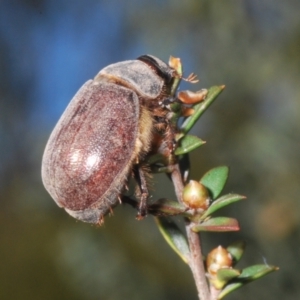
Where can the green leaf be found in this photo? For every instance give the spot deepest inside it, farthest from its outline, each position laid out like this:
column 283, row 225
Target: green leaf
column 166, row 207
column 256, row 271
column 215, row 180
column 236, row 249
column 221, row 202
column 230, row 288
column 219, row 224
column 201, row 107
column 227, row 274
column 248, row 274
column 174, row 237
column 188, row 143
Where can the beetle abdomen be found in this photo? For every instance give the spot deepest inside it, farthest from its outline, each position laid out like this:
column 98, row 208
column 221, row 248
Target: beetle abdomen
column 89, row 153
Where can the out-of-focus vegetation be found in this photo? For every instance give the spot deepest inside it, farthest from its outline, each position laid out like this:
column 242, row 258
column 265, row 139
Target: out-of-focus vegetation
column 50, row 48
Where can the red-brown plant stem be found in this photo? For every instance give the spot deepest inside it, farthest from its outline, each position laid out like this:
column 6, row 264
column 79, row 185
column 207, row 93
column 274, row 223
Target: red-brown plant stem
column 195, row 260
column 196, row 263
column 214, row 293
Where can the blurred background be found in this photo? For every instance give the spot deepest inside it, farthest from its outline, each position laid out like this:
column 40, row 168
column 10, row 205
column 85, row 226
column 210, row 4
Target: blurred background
column 48, row 49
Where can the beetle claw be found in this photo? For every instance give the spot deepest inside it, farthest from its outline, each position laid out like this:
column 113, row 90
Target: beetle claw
column 101, row 221
column 120, row 199
column 111, row 212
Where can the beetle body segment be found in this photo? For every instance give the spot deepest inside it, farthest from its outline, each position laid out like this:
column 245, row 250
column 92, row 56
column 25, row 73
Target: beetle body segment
column 106, row 129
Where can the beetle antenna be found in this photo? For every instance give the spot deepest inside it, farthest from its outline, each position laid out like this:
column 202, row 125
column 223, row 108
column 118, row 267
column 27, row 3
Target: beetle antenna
column 192, row 78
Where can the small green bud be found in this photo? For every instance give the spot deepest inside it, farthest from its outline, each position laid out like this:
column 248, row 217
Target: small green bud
column 218, row 258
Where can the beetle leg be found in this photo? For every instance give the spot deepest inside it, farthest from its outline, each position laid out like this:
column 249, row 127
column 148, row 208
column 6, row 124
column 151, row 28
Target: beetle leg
column 140, row 177
column 170, row 133
column 130, row 201
column 172, row 140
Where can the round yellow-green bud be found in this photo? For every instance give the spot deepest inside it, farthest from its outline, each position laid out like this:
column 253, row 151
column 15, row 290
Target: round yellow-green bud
column 195, row 195
column 218, row 258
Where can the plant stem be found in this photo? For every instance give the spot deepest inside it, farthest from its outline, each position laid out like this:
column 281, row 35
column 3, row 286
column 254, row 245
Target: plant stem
column 214, row 293
column 195, row 260
column 196, row 263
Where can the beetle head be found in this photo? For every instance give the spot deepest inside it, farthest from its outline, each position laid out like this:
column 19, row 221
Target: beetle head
column 161, row 68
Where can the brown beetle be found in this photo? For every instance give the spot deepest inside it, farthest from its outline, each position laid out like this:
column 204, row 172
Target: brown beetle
column 106, row 131
column 104, row 135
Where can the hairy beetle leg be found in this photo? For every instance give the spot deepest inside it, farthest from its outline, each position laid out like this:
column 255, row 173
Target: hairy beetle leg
column 170, row 141
column 140, row 177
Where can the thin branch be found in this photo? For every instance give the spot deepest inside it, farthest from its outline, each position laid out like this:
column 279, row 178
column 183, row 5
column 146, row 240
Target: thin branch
column 195, row 261
column 214, row 293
